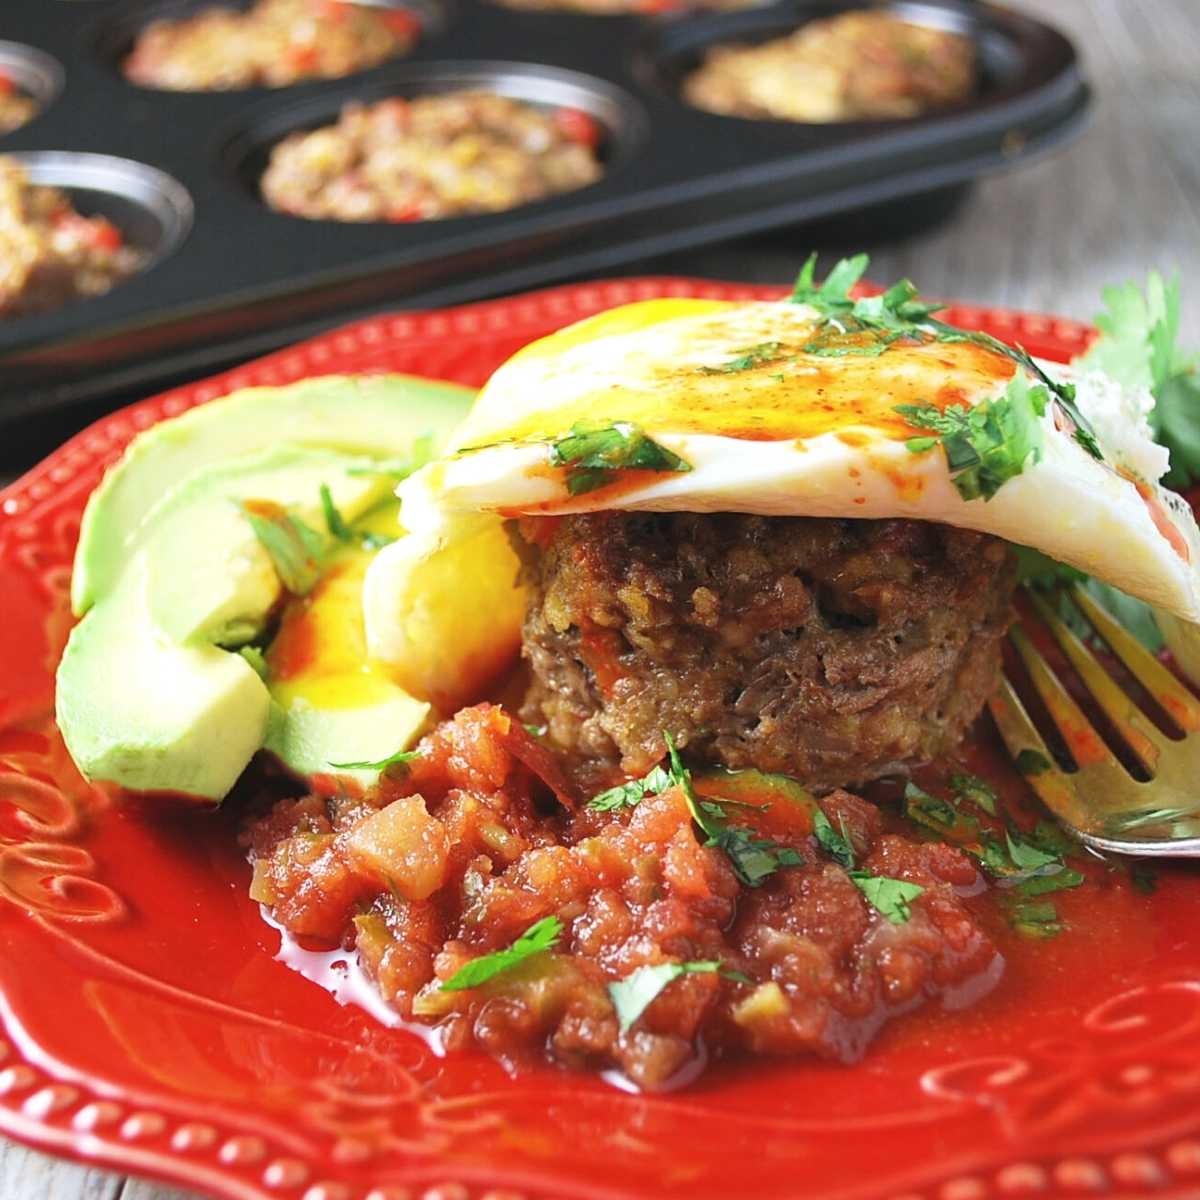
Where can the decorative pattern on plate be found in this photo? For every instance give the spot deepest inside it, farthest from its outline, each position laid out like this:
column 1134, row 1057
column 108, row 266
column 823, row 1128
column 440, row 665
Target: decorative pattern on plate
column 146, row 1023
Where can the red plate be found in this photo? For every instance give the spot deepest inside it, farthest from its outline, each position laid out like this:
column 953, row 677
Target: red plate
column 147, row 1023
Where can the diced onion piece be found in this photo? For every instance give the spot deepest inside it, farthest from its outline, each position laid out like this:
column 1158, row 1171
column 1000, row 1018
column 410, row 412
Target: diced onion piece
column 403, row 848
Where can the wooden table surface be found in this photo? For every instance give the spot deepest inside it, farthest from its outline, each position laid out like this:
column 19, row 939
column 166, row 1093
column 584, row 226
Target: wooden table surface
column 1123, row 198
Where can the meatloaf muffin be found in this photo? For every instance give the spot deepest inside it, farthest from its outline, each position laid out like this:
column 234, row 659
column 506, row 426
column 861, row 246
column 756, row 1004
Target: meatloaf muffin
column 435, row 156
column 271, row 44
column 16, row 108
column 829, row 650
column 49, row 253
column 858, row 66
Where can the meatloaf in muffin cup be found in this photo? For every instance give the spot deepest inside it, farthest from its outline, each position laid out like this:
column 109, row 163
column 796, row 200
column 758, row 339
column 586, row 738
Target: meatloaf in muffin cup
column 854, row 67
column 434, row 156
column 826, row 649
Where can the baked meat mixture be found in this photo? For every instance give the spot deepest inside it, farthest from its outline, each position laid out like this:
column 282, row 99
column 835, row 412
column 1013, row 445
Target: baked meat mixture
column 858, row 66
column 830, row 650
column 434, row 156
column 50, row 254
column 16, row 108
column 272, row 43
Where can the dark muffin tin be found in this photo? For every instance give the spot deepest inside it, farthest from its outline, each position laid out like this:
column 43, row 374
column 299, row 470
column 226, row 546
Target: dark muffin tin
column 229, row 278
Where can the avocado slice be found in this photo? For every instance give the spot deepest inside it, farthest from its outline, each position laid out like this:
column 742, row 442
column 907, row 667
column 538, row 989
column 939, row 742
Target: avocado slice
column 378, row 416
column 146, row 697
column 210, row 579
column 138, row 710
column 333, row 705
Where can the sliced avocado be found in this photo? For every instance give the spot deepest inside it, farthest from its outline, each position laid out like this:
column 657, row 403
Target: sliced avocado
column 334, row 706
column 211, row 580
column 137, row 710
column 787, row 802
column 379, row 416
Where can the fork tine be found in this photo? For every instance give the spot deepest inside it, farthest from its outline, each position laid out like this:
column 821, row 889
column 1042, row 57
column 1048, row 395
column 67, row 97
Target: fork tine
column 1177, row 702
column 1021, row 739
column 1136, row 731
column 1086, row 745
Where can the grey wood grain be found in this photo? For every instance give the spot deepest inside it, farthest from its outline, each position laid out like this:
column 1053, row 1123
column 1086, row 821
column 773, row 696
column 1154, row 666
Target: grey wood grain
column 1123, row 198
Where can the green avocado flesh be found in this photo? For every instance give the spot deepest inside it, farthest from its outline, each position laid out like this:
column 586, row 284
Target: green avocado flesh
column 378, row 416
column 152, row 694
column 138, row 710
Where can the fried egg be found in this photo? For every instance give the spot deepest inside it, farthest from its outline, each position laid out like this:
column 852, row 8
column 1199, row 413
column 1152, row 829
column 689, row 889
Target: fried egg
column 762, row 425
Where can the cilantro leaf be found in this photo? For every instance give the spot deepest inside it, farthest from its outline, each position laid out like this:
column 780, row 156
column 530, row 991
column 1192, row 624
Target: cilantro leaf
column 628, row 794
column 1138, row 348
column 837, row 845
column 753, row 859
column 540, row 937
column 635, row 993
column 1056, row 881
column 939, row 815
column 1036, row 919
column 596, row 454
column 1032, row 762
column 888, row 896
column 989, row 444
column 835, row 291
column 1144, row 877
column 334, row 521
column 978, row 791
column 1026, row 856
column 254, row 656
column 753, row 356
column 400, row 758
column 295, row 548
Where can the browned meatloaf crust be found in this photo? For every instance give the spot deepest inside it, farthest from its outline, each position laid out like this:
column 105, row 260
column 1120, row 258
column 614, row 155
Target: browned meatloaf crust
column 830, row 650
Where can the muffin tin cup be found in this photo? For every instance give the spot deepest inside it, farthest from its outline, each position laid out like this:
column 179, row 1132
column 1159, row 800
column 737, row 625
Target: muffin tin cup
column 35, row 73
column 621, row 120
column 246, row 279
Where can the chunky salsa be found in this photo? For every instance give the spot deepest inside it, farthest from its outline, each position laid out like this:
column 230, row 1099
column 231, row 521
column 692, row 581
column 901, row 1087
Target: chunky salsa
column 534, row 912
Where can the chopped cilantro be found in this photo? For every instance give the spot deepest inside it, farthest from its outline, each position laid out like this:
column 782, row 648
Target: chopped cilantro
column 1036, row 918
column 400, row 758
column 1033, row 762
column 540, row 937
column 334, row 521
column 978, row 791
column 888, row 896
column 1137, row 347
column 595, row 455
column 939, row 815
column 1025, row 856
column 627, row 795
column 753, row 859
column 1058, row 881
column 635, row 993
column 1144, row 877
column 837, row 845
column 254, row 656
column 752, row 356
column 900, row 312
column 989, row 444
column 295, row 548
column 537, row 730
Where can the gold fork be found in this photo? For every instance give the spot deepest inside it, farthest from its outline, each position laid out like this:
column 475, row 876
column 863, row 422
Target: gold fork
column 1106, row 806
